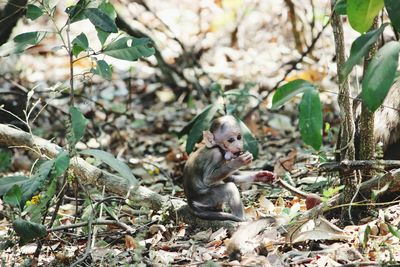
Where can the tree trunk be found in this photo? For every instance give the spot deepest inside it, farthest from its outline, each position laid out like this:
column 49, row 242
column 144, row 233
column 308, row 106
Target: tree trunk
column 346, row 138
column 367, row 141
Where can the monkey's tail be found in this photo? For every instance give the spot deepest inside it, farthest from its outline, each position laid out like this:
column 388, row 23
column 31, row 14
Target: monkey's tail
column 214, row 215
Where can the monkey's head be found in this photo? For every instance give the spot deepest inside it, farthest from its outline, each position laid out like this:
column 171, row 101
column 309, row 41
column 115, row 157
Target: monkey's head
column 225, row 133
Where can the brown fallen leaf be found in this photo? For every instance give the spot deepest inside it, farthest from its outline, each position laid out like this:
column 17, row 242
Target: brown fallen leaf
column 130, row 243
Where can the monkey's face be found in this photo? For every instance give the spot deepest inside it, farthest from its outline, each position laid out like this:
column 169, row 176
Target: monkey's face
column 230, row 139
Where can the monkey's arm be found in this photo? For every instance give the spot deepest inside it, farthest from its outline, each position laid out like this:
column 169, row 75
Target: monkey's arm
column 218, row 172
column 251, row 177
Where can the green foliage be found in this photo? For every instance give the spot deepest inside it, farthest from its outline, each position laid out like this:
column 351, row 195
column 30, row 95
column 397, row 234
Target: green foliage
column 101, row 20
column 331, row 191
column 33, row 12
column 393, row 9
column 102, row 16
column 102, row 69
column 111, row 161
column 79, row 123
column 13, row 196
column 37, row 210
column 365, row 239
column 61, row 164
column 199, row 124
column 359, row 49
column 380, row 75
column 76, row 12
column 361, row 13
column 341, row 7
column 129, row 48
column 286, row 92
column 310, row 111
column 250, row 143
column 28, row 231
column 21, row 42
column 395, row 232
column 79, row 44
column 202, row 122
column 5, row 160
column 237, row 99
column 108, row 9
column 310, row 119
column 32, row 186
column 7, row 182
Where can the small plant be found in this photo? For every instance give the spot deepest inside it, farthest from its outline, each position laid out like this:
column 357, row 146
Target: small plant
column 32, row 196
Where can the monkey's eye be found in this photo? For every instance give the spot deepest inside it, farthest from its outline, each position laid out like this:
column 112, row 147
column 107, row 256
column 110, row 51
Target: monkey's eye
column 239, row 137
column 231, row 140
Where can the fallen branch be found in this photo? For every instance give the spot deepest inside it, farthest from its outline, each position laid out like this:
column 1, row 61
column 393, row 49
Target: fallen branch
column 91, row 175
column 351, row 165
column 96, row 222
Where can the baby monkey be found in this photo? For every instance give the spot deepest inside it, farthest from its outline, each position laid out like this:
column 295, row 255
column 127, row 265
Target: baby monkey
column 209, row 176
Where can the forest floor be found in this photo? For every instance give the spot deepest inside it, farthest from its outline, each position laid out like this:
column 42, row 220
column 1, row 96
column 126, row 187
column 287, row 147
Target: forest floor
column 137, row 118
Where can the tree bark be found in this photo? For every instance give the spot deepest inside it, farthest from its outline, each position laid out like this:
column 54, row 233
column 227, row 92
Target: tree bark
column 367, row 141
column 346, row 137
column 346, row 144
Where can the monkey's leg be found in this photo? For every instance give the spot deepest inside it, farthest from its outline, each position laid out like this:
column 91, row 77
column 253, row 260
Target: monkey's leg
column 205, row 206
column 233, row 199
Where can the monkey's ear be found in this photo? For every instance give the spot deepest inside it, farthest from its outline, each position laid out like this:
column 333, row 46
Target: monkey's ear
column 208, row 138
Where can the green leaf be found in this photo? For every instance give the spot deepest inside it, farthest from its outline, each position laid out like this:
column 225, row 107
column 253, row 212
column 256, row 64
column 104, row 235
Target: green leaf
column 216, row 87
column 76, row 12
column 79, row 123
column 190, row 124
column 61, row 164
column 7, row 182
column 111, row 161
column 33, row 12
column 341, row 7
column 393, row 9
column 28, row 231
column 129, row 48
column 110, row 11
column 31, row 187
column 102, row 69
column 359, row 49
column 310, row 119
column 79, row 44
column 380, row 75
column 201, row 123
column 37, row 211
column 21, row 42
column 102, row 36
column 13, row 196
column 288, row 91
column 366, row 236
column 101, row 20
column 395, row 232
column 361, row 13
column 250, row 143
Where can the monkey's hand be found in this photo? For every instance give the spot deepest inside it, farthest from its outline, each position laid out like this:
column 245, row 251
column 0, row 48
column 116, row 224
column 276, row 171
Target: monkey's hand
column 242, row 160
column 264, row 177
